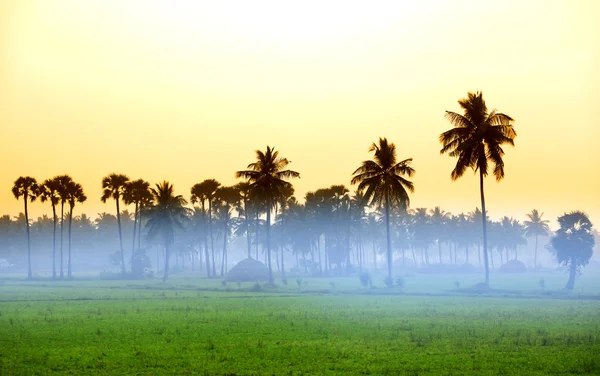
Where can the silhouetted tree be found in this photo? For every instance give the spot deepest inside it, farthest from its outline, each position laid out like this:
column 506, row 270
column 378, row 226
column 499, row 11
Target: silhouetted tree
column 167, row 214
column 114, row 185
column 266, row 177
column 475, row 140
column 228, row 197
column 245, row 194
column 74, row 194
column 49, row 191
column 26, row 187
column 536, row 226
column 383, row 184
column 573, row 243
column 136, row 192
column 202, row 192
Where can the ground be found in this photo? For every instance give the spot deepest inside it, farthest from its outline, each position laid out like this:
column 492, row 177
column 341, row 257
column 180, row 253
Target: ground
column 198, row 326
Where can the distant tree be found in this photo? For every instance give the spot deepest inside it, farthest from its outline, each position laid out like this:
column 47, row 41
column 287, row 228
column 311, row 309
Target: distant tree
column 114, row 185
column 63, row 183
column 49, row 191
column 166, row 215
column 266, row 177
column 475, row 140
column 136, row 192
column 26, row 187
column 536, row 226
column 228, row 197
column 383, row 184
column 245, row 194
column 438, row 218
column 202, row 192
column 573, row 243
column 74, row 193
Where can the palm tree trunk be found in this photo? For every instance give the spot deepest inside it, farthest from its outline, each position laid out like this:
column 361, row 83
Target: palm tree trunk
column 135, row 218
column 120, row 237
column 29, row 273
column 484, row 220
column 256, row 232
column 225, row 242
column 248, row 239
column 282, row 263
column 388, row 237
column 206, row 252
column 212, row 243
column 440, row 251
column 140, row 227
column 467, row 254
column 319, row 254
column 167, row 256
column 69, row 272
column 572, row 275
column 269, row 241
column 53, row 241
column 535, row 252
column 62, row 222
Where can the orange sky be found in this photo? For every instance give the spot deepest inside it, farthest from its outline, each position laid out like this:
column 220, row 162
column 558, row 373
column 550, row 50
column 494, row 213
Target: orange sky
column 187, row 90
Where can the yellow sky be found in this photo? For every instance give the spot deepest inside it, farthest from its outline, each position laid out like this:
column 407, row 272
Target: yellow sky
column 187, row 90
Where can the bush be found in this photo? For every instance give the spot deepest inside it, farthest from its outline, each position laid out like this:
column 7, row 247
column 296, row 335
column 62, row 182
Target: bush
column 400, row 282
column 140, row 264
column 299, row 281
column 256, row 287
column 513, row 266
column 389, row 281
column 284, row 281
column 248, row 270
column 447, row 269
column 332, row 284
column 365, row 279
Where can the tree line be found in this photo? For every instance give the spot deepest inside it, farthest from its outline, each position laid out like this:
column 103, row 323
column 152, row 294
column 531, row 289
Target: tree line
column 329, row 220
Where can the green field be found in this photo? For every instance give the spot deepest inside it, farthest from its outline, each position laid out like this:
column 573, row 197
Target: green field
column 194, row 326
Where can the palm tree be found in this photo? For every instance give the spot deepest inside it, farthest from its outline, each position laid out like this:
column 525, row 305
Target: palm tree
column 27, row 187
column 475, row 140
column 228, row 196
column 383, row 184
column 49, row 191
column 536, row 226
column 573, row 243
column 114, row 185
column 244, row 190
column 74, row 193
column 63, row 182
column 136, row 192
column 438, row 219
column 167, row 214
column 205, row 191
column 266, row 182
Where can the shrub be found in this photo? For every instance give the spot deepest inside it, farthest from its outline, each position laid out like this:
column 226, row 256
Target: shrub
column 513, row 266
column 256, row 287
column 224, row 283
column 365, row 279
column 400, row 282
column 299, row 281
column 332, row 284
column 284, row 281
column 140, row 263
column 389, row 281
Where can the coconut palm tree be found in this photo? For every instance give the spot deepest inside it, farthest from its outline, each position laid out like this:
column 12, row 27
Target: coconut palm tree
column 245, row 194
column 136, row 192
column 536, row 226
column 202, row 192
column 383, row 184
column 476, row 140
column 438, row 218
column 266, row 177
column 573, row 243
column 114, row 185
column 49, row 191
column 74, row 194
column 63, row 182
column 26, row 187
column 228, row 197
column 166, row 215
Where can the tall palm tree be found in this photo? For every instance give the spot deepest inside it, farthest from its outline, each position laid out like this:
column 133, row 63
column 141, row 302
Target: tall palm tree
column 536, row 226
column 205, row 191
column 266, row 177
column 136, row 192
column 49, row 191
column 114, row 185
column 26, row 187
column 63, row 182
column 573, row 243
column 438, row 219
column 198, row 195
column 475, row 140
column 383, row 184
column 74, row 193
column 228, row 197
column 244, row 190
column 166, row 215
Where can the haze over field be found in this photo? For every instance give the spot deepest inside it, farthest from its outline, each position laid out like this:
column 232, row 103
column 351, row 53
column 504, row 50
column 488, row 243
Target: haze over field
column 187, row 91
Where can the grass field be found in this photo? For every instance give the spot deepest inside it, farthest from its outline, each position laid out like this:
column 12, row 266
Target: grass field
column 193, row 326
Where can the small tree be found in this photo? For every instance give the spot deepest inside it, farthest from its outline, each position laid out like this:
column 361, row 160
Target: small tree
column 573, row 243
